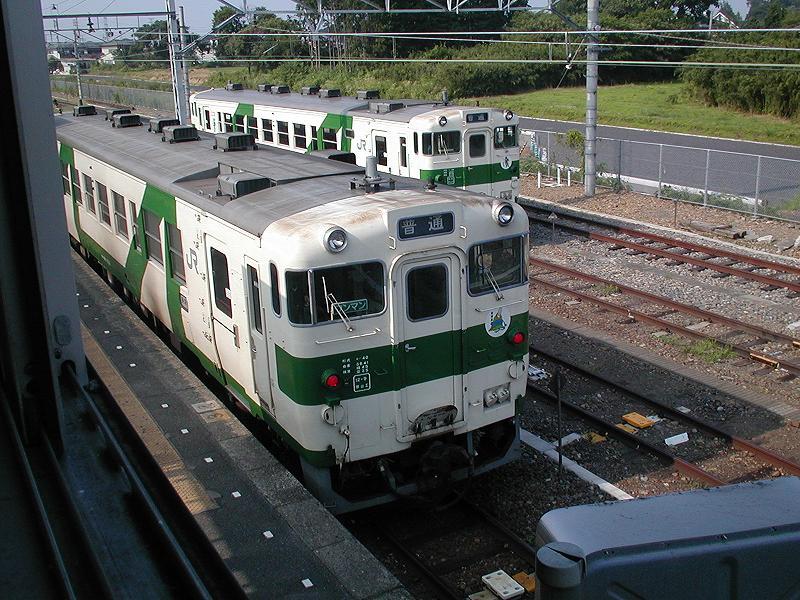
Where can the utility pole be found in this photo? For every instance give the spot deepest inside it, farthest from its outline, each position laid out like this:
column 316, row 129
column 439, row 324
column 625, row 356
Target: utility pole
column 592, row 55
column 77, row 65
column 176, row 64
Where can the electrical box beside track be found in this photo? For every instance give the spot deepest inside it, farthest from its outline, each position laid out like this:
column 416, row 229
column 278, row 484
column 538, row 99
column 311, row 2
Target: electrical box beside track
column 737, row 541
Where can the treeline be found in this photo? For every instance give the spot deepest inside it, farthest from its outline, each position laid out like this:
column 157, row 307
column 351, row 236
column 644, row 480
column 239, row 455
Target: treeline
column 762, row 89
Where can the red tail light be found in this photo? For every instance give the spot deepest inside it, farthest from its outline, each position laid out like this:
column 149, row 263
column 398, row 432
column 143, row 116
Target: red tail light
column 517, row 338
column 332, row 381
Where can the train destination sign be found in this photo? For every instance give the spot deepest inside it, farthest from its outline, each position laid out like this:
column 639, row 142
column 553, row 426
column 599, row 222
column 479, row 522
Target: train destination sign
column 424, row 226
column 477, row 117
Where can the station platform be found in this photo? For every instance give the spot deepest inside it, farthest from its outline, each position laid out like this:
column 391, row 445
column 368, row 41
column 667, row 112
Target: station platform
column 275, row 538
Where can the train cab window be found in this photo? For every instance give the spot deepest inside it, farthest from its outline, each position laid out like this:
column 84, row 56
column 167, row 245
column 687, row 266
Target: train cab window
column 352, row 290
column 329, row 138
column 298, row 304
column 76, row 185
column 403, row 153
column 65, row 178
column 134, row 231
column 120, row 218
column 380, row 150
column 238, row 123
column 102, row 204
column 299, row 135
column 477, row 145
column 505, row 137
column 152, row 236
column 220, row 277
column 255, row 298
column 426, row 292
column 275, row 289
column 441, row 143
column 266, row 130
column 252, row 126
column 175, row 245
column 496, row 264
column 283, row 133
column 88, row 193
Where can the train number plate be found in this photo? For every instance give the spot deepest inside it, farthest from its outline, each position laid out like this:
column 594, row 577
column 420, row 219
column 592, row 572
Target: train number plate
column 423, row 226
column 361, row 383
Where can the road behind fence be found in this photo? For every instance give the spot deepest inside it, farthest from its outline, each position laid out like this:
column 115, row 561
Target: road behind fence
column 759, row 185
column 126, row 96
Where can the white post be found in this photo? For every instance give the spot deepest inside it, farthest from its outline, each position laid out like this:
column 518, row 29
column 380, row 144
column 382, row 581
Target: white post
column 558, row 176
column 569, row 177
column 538, row 179
column 176, row 64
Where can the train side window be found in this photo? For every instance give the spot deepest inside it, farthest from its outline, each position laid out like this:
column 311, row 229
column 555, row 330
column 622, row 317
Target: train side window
column 505, row 137
column 266, row 126
column 152, row 236
column 274, row 285
column 427, row 292
column 298, row 299
column 65, row 178
column 175, row 245
column 76, row 185
column 283, row 133
column 238, row 123
column 219, row 121
column 222, row 286
column 88, row 193
column 228, row 123
column 416, row 143
column 208, row 119
column 355, row 290
column 496, row 263
column 120, row 219
column 252, row 126
column 299, row 135
column 329, row 138
column 350, row 134
column 314, row 144
column 403, row 153
column 255, row 298
column 134, row 228
column 380, row 150
column 477, row 145
column 102, row 204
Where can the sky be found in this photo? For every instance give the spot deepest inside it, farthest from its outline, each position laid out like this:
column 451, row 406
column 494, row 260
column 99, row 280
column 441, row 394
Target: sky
column 198, row 12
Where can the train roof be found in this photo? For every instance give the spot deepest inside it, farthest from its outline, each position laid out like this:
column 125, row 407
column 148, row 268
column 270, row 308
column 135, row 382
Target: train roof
column 340, row 105
column 189, row 170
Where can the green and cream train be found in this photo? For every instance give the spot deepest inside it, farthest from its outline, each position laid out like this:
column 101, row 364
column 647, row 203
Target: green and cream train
column 472, row 148
column 377, row 325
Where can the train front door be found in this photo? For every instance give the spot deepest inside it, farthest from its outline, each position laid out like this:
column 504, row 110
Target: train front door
column 427, row 307
column 257, row 322
column 478, row 160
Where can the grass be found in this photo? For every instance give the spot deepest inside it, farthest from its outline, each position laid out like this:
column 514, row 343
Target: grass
column 662, row 106
column 606, row 289
column 708, row 351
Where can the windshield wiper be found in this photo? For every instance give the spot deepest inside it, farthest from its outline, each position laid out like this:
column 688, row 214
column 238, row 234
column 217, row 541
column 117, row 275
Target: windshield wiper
column 493, row 281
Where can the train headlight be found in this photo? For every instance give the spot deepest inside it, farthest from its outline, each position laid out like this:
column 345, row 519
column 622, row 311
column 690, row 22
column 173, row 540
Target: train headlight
column 508, row 115
column 335, row 240
column 442, row 121
column 503, row 213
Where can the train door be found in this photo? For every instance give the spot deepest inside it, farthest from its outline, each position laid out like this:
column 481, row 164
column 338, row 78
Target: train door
column 257, row 323
column 427, row 301
column 478, row 160
column 402, row 168
column 226, row 301
column 380, row 148
column 206, row 120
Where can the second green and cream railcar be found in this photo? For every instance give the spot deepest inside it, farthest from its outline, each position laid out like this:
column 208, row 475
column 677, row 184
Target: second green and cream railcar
column 473, row 148
column 379, row 328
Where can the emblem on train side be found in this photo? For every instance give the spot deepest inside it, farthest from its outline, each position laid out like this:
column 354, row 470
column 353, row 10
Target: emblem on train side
column 506, row 162
column 497, row 321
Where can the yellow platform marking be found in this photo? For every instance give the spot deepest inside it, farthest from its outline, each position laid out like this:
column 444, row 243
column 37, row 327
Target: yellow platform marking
column 188, row 488
column 637, row 420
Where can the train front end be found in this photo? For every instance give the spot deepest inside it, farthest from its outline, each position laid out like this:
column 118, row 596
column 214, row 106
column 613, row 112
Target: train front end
column 402, row 354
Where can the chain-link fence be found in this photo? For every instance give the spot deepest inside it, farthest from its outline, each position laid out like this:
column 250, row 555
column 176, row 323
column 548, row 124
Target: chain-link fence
column 126, row 96
column 758, row 185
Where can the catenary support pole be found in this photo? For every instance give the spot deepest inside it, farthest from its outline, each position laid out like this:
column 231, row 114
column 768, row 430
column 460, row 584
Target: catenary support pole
column 187, row 89
column 592, row 54
column 77, row 67
column 176, row 64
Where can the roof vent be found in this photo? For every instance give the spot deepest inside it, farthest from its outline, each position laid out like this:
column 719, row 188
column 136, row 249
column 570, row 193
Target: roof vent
column 84, row 110
column 179, row 133
column 371, row 182
column 234, row 141
column 330, row 93
column 385, row 107
column 126, row 120
column 280, row 89
column 236, row 185
column 368, row 94
column 234, row 87
column 157, row 124
column 310, row 90
column 110, row 112
column 264, row 87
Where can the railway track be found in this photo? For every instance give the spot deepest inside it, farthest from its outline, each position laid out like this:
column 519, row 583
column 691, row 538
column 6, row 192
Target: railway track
column 711, row 456
column 771, row 274
column 453, row 548
column 744, row 339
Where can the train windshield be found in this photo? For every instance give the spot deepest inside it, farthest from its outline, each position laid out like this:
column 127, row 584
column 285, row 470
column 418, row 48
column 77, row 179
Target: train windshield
column 505, row 137
column 441, row 143
column 496, row 264
column 339, row 293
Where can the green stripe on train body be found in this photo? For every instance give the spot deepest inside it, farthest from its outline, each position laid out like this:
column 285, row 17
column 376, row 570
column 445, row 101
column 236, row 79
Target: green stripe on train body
column 300, row 378
column 337, row 122
column 472, row 175
column 244, row 110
